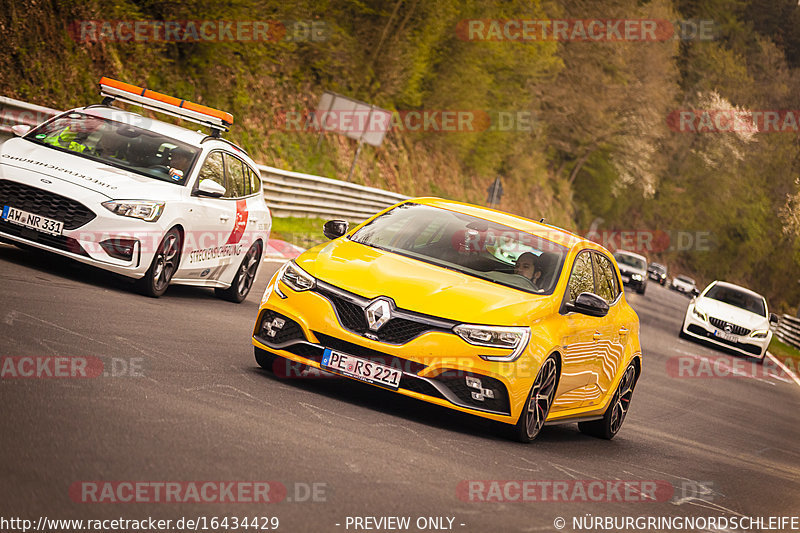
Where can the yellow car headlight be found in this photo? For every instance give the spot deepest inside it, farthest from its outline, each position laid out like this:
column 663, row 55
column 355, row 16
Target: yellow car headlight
column 509, row 337
column 295, row 278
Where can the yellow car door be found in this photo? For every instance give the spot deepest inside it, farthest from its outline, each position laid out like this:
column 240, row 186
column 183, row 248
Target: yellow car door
column 580, row 341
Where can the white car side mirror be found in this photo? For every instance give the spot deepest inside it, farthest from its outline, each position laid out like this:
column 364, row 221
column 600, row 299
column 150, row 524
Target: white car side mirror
column 210, row 188
column 20, row 130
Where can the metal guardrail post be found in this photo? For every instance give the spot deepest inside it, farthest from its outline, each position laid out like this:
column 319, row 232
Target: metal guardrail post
column 788, row 330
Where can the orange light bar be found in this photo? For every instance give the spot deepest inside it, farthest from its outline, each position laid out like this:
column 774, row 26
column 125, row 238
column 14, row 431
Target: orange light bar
column 163, row 102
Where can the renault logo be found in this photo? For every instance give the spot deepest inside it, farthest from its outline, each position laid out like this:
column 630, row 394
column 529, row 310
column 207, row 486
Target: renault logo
column 378, row 313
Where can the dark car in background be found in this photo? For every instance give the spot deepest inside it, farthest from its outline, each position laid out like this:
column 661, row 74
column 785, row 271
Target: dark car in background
column 658, row 273
column 633, row 268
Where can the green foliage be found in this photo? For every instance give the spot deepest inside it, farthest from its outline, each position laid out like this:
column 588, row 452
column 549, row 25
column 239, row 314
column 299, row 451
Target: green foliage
column 599, row 147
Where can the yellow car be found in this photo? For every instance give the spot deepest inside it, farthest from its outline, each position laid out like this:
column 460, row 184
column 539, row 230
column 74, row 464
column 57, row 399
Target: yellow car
column 464, row 307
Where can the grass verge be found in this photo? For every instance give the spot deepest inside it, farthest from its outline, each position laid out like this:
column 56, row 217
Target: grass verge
column 788, row 354
column 303, row 232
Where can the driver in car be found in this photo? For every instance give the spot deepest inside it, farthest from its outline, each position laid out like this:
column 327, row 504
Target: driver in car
column 526, row 266
column 179, row 161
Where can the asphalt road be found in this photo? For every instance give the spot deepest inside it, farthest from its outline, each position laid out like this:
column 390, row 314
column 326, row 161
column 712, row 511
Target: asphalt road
column 182, row 400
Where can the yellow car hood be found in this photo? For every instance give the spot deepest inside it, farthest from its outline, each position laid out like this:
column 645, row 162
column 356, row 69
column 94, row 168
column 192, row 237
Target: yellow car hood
column 419, row 286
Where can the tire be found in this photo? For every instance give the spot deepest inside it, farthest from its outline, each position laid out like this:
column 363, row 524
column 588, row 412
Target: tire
column 156, row 281
column 265, row 359
column 682, row 334
column 610, row 424
column 537, row 406
column 245, row 275
column 642, row 288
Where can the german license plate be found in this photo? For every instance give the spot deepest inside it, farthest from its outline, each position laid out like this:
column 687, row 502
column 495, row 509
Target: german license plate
column 31, row 220
column 361, row 369
column 726, row 336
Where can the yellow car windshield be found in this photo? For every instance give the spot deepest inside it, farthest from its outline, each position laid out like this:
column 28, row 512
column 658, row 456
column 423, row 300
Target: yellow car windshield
column 471, row 245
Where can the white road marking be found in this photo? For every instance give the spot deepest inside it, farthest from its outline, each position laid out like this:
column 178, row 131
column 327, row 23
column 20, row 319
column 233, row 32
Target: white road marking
column 784, row 368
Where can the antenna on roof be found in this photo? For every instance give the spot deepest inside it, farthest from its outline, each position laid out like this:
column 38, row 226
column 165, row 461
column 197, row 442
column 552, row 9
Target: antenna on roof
column 541, row 219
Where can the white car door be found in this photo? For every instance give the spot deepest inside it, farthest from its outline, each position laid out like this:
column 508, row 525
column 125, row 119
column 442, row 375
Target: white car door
column 251, row 213
column 259, row 219
column 206, row 249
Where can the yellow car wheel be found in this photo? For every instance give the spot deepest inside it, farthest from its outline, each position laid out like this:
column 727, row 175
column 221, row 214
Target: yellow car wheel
column 614, row 416
column 540, row 399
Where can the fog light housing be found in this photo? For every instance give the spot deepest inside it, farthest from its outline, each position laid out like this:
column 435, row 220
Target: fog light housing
column 270, row 328
column 478, row 393
column 120, row 248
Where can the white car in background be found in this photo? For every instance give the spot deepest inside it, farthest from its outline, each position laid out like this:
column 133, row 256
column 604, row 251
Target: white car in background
column 138, row 197
column 684, row 284
column 732, row 317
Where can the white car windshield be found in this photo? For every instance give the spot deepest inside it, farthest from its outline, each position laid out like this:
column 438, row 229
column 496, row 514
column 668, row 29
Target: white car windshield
column 467, row 244
column 737, row 298
column 630, row 260
column 119, row 145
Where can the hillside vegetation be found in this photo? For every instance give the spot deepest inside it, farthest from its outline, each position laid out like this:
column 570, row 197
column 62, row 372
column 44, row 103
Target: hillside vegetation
column 601, row 143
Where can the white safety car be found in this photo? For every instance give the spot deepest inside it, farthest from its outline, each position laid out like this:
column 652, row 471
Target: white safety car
column 732, row 317
column 136, row 196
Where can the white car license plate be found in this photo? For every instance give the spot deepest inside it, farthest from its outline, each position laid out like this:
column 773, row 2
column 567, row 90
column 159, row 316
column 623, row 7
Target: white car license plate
column 361, row 369
column 31, row 220
column 727, row 336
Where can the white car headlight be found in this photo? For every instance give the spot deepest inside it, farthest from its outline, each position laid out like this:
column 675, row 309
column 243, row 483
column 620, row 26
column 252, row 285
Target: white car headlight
column 295, row 278
column 147, row 210
column 759, row 333
column 512, row 338
column 636, row 277
column 699, row 314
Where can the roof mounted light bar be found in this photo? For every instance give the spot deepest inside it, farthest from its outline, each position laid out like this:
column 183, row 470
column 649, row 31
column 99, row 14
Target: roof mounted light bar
column 213, row 118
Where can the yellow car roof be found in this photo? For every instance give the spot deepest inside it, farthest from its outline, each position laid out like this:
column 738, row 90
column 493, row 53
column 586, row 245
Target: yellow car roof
column 545, row 231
